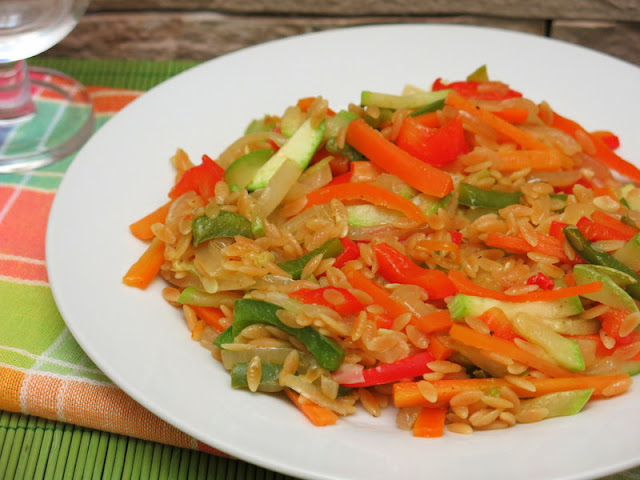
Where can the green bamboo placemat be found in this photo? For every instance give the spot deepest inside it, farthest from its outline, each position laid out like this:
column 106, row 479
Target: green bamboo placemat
column 33, row 448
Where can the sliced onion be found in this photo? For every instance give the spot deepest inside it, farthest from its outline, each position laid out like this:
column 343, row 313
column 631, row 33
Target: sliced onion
column 209, row 258
column 559, row 178
column 349, row 373
column 317, row 211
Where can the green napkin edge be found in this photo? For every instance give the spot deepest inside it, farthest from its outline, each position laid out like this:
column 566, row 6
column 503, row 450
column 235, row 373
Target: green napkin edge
column 115, row 73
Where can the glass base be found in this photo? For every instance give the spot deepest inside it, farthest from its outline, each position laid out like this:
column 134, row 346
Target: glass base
column 60, row 124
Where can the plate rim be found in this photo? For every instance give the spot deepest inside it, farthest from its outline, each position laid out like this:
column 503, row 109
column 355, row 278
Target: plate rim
column 51, row 232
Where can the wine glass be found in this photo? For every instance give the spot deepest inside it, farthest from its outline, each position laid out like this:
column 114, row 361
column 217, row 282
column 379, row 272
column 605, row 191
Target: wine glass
column 44, row 115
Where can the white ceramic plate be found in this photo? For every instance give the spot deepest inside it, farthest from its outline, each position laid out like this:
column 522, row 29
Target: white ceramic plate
column 141, row 342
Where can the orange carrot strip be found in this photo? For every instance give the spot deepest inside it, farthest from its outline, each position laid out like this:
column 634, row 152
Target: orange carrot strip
column 379, row 295
column 489, row 343
column 498, row 323
column 210, row 315
column 396, row 161
column 430, row 323
column 514, row 160
column 430, row 422
column 438, row 246
column 522, row 138
column 437, row 348
column 318, row 415
column 611, row 222
column 142, row 228
column 603, row 153
column 513, row 115
column 368, row 193
column 468, row 287
column 547, row 245
column 433, row 322
column 196, row 333
column 407, row 394
column 555, row 294
column 147, row 267
column 305, row 103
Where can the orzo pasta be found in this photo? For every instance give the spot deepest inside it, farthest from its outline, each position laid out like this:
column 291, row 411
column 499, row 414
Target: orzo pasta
column 460, row 253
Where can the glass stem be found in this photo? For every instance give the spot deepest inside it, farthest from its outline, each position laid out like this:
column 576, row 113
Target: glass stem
column 16, row 102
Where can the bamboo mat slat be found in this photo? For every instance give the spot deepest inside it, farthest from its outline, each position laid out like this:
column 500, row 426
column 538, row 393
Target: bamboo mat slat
column 35, row 449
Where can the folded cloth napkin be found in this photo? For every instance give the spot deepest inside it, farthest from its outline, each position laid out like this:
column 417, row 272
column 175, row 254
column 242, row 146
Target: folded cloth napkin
column 43, row 371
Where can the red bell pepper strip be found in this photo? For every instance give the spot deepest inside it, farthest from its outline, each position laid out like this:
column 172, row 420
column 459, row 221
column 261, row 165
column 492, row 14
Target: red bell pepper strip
column 201, row 179
column 593, row 231
column 476, row 90
column 350, row 304
column 456, row 237
column 610, row 139
column 555, row 229
column 350, row 252
column 398, row 268
column 406, row 368
column 627, row 231
column 344, row 178
column 435, row 146
column 603, row 153
column 541, row 280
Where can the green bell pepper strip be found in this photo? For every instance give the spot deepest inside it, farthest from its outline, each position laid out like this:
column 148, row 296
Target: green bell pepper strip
column 225, row 337
column 268, row 380
column 226, row 224
column 472, row 196
column 331, row 248
column 583, row 248
column 326, row 351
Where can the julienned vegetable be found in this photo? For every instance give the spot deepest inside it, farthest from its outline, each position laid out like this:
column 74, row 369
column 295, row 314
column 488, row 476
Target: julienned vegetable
column 224, row 224
column 398, row 268
column 392, row 159
column 413, row 248
column 326, row 351
column 406, row 368
column 472, row 196
column 295, row 267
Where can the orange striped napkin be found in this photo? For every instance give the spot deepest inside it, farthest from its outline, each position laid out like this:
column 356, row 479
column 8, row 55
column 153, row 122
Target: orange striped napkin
column 43, row 371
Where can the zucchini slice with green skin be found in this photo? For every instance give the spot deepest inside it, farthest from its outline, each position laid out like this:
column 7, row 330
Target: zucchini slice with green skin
column 563, row 350
column 558, row 404
column 300, row 148
column 468, row 305
column 415, row 100
column 244, row 168
column 611, row 294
